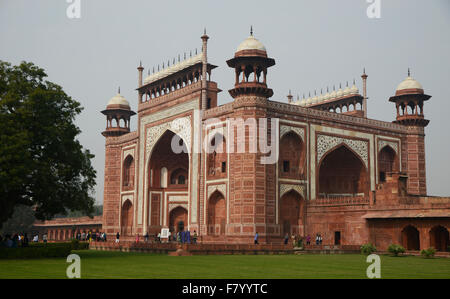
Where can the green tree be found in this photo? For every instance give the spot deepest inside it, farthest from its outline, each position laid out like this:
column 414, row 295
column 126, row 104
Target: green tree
column 42, row 164
column 21, row 221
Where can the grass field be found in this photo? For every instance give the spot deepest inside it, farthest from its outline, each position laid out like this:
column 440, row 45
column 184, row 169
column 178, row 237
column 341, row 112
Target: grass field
column 102, row 264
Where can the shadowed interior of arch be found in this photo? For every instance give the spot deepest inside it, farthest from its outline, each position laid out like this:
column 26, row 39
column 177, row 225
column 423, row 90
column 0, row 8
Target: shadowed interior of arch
column 167, row 172
column 342, row 174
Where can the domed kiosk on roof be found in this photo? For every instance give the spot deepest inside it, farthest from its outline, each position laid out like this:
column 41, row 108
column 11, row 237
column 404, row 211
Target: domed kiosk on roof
column 251, row 63
column 118, row 114
column 409, row 101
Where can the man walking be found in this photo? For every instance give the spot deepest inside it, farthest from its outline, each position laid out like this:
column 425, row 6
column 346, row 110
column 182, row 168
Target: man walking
column 256, row 238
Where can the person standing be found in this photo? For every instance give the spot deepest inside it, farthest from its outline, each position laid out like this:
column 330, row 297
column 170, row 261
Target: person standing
column 146, row 237
column 44, row 238
column 137, row 238
column 25, row 241
column 194, row 237
column 256, row 238
column 308, row 239
column 286, row 239
column 117, row 237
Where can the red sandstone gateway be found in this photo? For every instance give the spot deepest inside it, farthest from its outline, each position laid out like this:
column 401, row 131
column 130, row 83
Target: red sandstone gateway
column 351, row 179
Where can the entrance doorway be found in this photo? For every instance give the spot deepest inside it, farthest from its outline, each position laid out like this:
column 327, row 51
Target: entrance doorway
column 337, row 238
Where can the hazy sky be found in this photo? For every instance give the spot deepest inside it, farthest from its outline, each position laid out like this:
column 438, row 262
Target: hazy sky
column 315, row 44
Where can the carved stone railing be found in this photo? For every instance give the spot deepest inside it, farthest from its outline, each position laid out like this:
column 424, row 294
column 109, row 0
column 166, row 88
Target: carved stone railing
column 337, row 117
column 340, row 201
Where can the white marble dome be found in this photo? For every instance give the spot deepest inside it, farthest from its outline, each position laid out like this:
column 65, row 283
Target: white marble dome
column 118, row 99
column 251, row 43
column 409, row 83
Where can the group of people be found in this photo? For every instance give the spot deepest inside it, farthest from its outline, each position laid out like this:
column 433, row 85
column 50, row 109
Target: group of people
column 17, row 240
column 295, row 239
column 91, row 236
column 180, row 237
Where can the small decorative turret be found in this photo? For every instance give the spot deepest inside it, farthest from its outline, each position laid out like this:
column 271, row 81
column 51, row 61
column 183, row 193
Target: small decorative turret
column 118, row 114
column 409, row 99
column 251, row 58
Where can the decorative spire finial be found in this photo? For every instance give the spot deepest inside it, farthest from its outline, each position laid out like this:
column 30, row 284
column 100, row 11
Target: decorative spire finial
column 409, row 73
column 118, row 90
column 251, row 30
column 204, row 31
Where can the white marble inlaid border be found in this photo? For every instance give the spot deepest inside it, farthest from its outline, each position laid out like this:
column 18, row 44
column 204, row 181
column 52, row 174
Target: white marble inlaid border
column 144, row 121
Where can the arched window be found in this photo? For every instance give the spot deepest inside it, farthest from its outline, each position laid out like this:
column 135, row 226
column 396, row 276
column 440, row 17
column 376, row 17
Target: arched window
column 292, row 157
column 178, row 177
column 386, row 163
column 217, row 157
column 128, row 173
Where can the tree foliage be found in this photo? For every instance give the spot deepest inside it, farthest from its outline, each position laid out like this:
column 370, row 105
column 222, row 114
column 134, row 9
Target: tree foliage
column 21, row 221
column 42, row 164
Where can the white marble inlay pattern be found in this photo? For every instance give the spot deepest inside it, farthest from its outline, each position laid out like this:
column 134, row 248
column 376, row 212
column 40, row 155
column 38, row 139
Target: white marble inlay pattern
column 383, row 143
column 180, row 126
column 326, row 142
column 284, row 188
column 284, row 129
column 221, row 188
column 176, row 205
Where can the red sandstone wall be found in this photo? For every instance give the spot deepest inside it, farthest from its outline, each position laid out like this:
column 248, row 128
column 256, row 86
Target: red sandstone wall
column 416, row 164
column 111, row 197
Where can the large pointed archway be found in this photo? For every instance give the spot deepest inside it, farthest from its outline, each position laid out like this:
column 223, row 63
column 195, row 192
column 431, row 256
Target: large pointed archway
column 168, row 171
column 291, row 207
column 342, row 174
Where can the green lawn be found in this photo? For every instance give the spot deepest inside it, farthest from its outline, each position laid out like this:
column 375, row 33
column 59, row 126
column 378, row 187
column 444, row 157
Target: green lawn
column 102, row 264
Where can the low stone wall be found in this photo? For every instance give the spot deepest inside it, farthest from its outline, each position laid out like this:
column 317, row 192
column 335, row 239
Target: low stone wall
column 220, row 249
column 193, row 249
